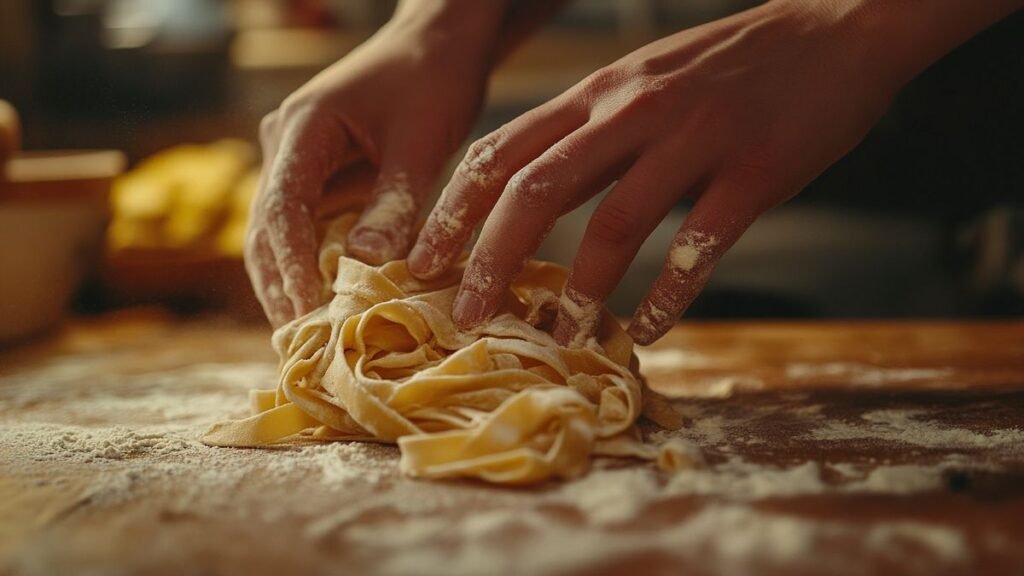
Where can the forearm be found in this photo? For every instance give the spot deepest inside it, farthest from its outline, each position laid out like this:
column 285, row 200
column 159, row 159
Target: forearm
column 900, row 38
column 522, row 18
column 492, row 27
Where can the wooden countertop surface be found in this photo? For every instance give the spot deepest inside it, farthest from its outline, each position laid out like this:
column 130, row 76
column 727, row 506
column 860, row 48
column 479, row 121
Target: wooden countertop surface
column 841, row 447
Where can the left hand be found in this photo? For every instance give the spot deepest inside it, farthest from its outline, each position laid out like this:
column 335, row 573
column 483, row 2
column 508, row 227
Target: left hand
column 737, row 115
column 402, row 102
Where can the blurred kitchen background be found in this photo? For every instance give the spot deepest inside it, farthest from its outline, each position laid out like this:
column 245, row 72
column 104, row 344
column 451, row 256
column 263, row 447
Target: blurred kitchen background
column 925, row 219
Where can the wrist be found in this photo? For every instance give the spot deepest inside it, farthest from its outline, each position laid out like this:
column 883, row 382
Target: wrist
column 465, row 25
column 895, row 41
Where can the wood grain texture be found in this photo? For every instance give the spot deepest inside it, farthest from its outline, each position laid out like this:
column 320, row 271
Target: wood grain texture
column 851, row 448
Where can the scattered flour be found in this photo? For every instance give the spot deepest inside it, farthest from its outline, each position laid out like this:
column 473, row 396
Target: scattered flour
column 737, row 539
column 390, row 215
column 80, row 444
column 133, row 437
column 718, row 386
column 900, row 479
column 347, row 462
column 652, row 320
column 610, row 496
column 480, row 273
column 698, row 384
column 477, row 167
column 855, row 374
column 275, row 291
column 394, row 203
column 745, row 481
column 684, row 257
column 669, row 359
column 692, row 249
column 906, row 427
column 450, row 220
column 945, row 542
column 584, row 313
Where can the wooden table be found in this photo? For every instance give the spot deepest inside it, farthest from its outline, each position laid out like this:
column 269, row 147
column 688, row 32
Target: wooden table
column 845, row 448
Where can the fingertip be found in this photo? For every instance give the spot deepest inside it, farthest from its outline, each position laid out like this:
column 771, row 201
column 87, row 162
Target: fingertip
column 578, row 318
column 469, row 309
column 649, row 323
column 423, row 262
column 640, row 337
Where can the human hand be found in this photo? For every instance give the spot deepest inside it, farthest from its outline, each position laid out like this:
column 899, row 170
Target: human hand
column 403, row 101
column 737, row 115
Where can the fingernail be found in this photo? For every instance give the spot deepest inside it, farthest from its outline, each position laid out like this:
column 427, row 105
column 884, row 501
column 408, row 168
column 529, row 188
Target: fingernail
column 421, row 260
column 468, row 310
column 370, row 246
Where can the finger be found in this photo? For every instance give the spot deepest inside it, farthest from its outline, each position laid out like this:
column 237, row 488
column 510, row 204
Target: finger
column 607, row 179
column 348, row 190
column 262, row 268
column 270, row 138
column 309, row 152
column 407, row 173
column 525, row 213
column 717, row 220
column 620, row 224
column 480, row 178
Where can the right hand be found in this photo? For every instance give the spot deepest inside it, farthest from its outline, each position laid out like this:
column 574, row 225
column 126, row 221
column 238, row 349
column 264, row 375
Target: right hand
column 403, row 101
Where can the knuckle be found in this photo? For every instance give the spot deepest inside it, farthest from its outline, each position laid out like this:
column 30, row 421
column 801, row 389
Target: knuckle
column 269, row 126
column 601, row 80
column 645, row 92
column 634, row 100
column 529, row 187
column 613, row 223
column 481, row 165
column 756, row 160
column 478, row 147
column 295, row 110
column 757, row 173
column 295, row 106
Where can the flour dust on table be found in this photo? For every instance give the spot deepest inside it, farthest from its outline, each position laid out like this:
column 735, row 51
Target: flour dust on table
column 115, row 456
column 383, row 361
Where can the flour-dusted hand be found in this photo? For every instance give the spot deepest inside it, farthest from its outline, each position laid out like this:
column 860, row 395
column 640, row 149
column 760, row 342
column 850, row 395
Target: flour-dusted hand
column 402, row 101
column 737, row 115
